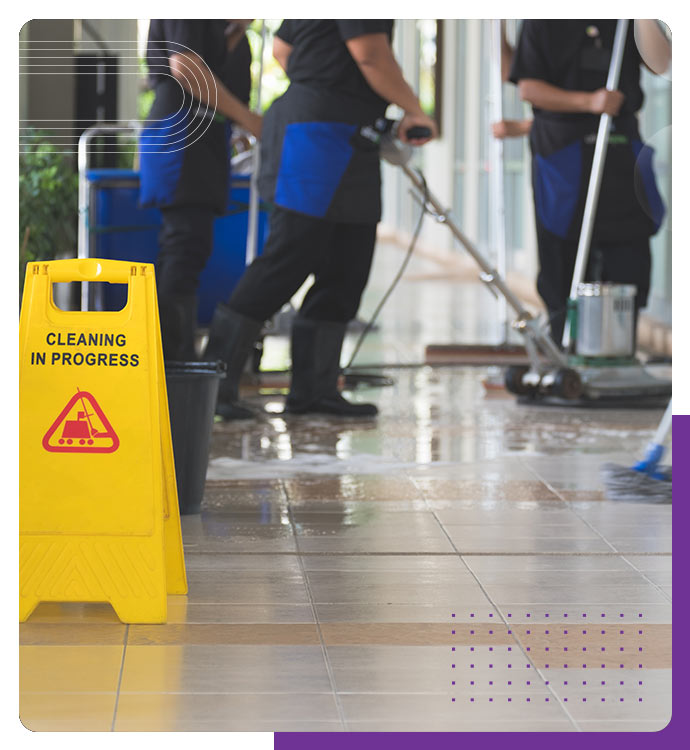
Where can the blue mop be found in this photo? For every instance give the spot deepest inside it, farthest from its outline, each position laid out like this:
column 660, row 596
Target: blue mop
column 647, row 481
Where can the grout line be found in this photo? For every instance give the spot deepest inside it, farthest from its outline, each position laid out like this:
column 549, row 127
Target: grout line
column 644, row 575
column 509, row 626
column 558, row 494
column 324, row 650
column 620, row 554
column 119, row 679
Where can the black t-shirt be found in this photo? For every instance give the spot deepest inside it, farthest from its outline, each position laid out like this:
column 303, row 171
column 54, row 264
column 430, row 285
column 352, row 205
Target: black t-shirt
column 169, row 36
column 320, row 57
column 575, row 55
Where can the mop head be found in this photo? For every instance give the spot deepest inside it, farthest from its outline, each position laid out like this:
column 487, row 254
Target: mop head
column 628, row 485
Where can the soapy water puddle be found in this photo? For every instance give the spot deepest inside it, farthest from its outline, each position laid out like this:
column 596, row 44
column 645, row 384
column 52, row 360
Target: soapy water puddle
column 306, row 463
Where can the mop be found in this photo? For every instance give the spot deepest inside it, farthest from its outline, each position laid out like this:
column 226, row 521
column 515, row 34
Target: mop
column 647, row 481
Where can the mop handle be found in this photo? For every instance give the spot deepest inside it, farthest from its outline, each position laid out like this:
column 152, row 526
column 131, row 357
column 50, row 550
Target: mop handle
column 664, row 425
column 597, row 172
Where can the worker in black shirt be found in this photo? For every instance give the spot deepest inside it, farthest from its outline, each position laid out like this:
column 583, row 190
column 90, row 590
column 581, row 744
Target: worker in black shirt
column 184, row 160
column 561, row 68
column 323, row 179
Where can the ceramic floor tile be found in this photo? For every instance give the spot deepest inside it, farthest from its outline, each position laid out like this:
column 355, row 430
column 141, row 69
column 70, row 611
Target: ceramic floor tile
column 296, row 634
column 239, row 725
column 490, row 564
column 430, row 709
column 385, row 544
column 181, row 610
column 569, row 580
column 67, row 712
column 215, row 591
column 450, row 634
column 412, row 669
column 605, row 646
column 391, row 593
column 610, row 705
column 602, row 594
column 349, row 487
column 414, row 565
column 507, row 490
column 71, row 634
column 659, row 545
column 180, row 712
column 282, row 634
column 658, row 578
column 405, row 524
column 323, row 579
column 350, row 511
column 641, row 528
column 623, row 725
column 585, row 612
column 503, row 513
column 241, row 565
column 498, row 533
column 651, row 563
column 459, row 725
column 413, row 613
column 466, row 543
column 224, row 669
column 94, row 669
column 622, row 513
column 356, row 512
column 248, row 546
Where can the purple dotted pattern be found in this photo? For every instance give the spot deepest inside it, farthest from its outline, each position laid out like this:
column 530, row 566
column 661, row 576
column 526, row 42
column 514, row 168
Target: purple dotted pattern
column 546, row 649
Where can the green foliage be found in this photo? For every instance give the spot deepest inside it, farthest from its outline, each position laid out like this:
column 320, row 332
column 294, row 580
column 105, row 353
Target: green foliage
column 48, row 201
column 274, row 82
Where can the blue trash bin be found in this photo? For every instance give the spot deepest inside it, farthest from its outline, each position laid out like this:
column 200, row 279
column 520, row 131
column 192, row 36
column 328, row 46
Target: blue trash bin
column 120, row 230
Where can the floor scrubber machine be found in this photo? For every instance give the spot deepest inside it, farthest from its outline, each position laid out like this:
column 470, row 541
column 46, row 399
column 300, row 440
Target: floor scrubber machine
column 597, row 365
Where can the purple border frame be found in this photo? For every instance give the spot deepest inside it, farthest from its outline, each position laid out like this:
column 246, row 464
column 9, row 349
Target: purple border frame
column 674, row 735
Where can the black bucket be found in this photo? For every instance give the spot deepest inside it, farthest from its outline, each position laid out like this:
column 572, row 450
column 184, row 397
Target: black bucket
column 192, row 393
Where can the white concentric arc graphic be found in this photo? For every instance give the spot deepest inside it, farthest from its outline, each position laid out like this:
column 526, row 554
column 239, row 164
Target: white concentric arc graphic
column 200, row 112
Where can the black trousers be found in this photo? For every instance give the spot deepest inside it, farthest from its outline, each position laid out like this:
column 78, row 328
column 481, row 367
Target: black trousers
column 622, row 263
column 338, row 254
column 185, row 243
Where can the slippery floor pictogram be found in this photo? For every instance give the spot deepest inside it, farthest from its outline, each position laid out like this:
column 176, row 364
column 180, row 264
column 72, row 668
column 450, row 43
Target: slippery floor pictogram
column 81, row 427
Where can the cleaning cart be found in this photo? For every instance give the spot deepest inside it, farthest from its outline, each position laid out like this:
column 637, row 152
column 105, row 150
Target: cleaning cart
column 112, row 225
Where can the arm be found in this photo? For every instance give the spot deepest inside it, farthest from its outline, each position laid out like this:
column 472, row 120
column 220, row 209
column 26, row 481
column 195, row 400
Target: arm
column 511, row 128
column 654, row 47
column 236, row 30
column 544, row 95
column 374, row 57
column 281, row 52
column 195, row 77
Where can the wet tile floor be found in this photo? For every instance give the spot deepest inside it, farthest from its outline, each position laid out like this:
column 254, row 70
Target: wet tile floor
column 453, row 565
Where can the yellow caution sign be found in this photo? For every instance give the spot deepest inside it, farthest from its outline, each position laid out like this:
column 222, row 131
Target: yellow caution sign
column 98, row 511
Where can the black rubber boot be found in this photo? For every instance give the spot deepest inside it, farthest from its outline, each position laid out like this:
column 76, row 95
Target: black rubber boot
column 231, row 339
column 315, row 349
column 178, row 326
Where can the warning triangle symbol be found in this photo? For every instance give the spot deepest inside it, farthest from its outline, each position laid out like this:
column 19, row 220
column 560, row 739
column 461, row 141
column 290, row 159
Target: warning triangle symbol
column 81, row 427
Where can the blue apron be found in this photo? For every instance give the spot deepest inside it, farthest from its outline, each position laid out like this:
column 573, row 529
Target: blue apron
column 183, row 153
column 312, row 161
column 630, row 205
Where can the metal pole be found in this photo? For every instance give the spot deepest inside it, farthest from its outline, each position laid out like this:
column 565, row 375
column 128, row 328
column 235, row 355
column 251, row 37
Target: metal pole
column 253, row 221
column 490, row 274
column 597, row 173
column 83, row 234
column 497, row 231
